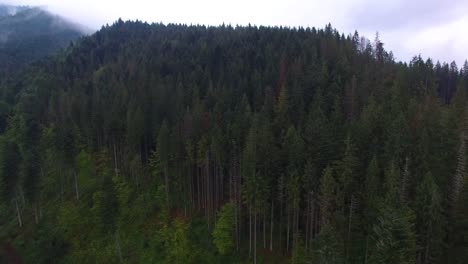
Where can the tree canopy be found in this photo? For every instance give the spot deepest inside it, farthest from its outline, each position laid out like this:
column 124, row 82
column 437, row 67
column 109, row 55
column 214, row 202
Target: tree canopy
column 153, row 143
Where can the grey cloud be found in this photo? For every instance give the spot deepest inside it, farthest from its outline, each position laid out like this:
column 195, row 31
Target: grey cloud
column 395, row 15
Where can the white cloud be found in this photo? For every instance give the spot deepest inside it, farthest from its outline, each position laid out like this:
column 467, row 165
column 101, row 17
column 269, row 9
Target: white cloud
column 444, row 42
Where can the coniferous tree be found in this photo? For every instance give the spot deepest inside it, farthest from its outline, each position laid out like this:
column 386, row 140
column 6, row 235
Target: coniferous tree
column 429, row 217
column 393, row 233
column 224, row 230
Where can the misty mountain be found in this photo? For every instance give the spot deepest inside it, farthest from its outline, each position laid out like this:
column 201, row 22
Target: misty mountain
column 8, row 10
column 30, row 33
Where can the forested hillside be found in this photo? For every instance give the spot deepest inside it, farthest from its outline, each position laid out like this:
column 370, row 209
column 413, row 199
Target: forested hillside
column 28, row 34
column 192, row 144
column 6, row 10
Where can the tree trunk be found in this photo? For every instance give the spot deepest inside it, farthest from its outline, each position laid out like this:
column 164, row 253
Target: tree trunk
column 236, row 216
column 367, row 246
column 76, row 186
column 255, row 238
column 203, row 190
column 221, row 187
column 208, row 193
column 350, row 217
column 215, row 185
column 117, row 247
column 271, row 226
column 404, row 182
column 238, row 190
column 23, row 200
column 166, row 179
column 287, row 232
column 264, row 229
column 189, row 184
column 186, row 189
column 426, row 253
column 457, row 182
column 296, row 225
column 36, row 215
column 281, row 224
column 18, row 213
column 192, row 184
column 115, row 160
column 199, row 191
column 312, row 219
column 61, row 184
column 317, row 220
column 307, row 222
column 231, row 196
column 250, row 232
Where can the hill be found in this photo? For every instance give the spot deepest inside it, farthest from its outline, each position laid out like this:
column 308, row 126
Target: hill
column 28, row 34
column 191, row 144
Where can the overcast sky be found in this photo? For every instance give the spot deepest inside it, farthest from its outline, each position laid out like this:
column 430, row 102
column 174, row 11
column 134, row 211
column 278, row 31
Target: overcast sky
column 432, row 28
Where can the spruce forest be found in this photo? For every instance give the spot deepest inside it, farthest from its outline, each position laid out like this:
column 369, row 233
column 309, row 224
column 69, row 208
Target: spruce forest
column 172, row 143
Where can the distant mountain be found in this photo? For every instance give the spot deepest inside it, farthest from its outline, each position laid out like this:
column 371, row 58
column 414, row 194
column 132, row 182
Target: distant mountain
column 8, row 10
column 30, row 33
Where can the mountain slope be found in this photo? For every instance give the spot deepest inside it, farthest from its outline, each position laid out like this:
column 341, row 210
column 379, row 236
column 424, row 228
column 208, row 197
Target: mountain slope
column 28, row 34
column 191, row 144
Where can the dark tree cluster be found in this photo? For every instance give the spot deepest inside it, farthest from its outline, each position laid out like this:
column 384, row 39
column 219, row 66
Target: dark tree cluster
column 193, row 144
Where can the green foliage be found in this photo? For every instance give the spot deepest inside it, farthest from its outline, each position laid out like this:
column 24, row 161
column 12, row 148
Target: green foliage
column 393, row 236
column 328, row 195
column 224, row 230
column 328, row 247
column 155, row 166
column 299, row 253
column 428, row 210
column 105, row 206
column 349, row 168
column 178, row 244
column 127, row 146
column 85, row 172
column 372, row 181
column 9, row 168
column 458, row 251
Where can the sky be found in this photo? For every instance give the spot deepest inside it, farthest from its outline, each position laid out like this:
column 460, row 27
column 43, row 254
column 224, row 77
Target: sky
column 431, row 28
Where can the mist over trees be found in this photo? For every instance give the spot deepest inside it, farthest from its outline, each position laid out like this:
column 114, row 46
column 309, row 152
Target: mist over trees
column 192, row 144
column 28, row 34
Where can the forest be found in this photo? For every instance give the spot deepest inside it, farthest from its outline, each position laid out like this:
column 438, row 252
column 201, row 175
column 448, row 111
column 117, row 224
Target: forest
column 174, row 143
